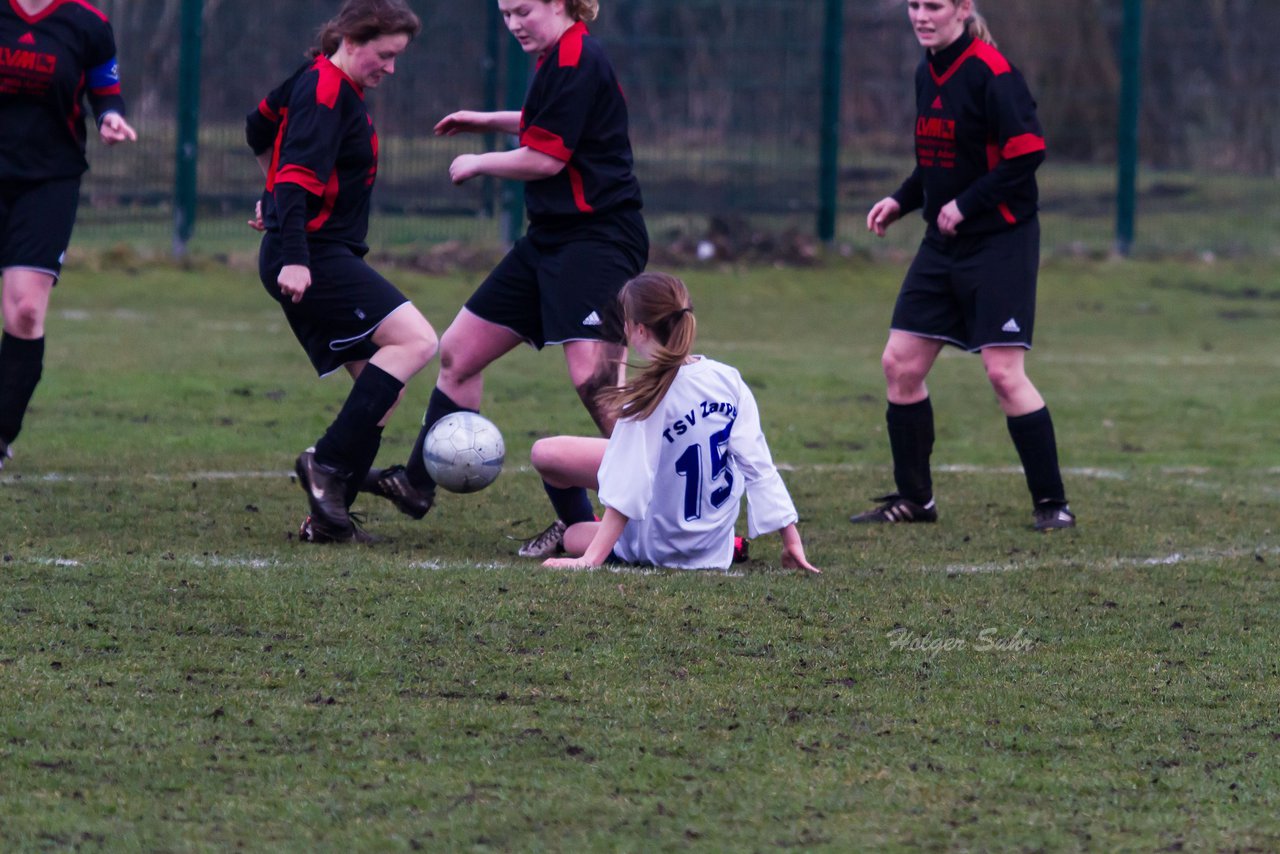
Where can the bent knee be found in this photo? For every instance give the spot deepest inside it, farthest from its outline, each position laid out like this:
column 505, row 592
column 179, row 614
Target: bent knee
column 424, row 348
column 547, row 456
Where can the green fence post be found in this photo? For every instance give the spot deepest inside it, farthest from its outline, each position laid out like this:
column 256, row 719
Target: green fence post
column 492, row 55
column 829, row 156
column 184, row 189
column 513, row 191
column 1127, row 143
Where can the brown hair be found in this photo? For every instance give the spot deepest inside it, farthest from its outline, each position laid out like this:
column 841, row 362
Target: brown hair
column 362, row 21
column 659, row 302
column 581, row 10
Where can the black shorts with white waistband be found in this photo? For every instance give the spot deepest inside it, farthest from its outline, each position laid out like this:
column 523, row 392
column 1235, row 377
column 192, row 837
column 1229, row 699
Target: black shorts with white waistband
column 973, row 291
column 560, row 284
column 346, row 302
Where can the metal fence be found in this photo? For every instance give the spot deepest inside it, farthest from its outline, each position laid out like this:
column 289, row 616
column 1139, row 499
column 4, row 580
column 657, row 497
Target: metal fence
column 726, row 100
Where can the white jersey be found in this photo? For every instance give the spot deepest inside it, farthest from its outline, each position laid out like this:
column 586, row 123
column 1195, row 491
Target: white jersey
column 679, row 475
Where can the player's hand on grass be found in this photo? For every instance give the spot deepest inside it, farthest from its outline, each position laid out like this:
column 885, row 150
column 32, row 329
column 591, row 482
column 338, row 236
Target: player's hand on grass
column 797, row 560
column 568, row 563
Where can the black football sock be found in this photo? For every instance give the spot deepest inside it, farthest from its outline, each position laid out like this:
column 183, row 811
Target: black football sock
column 571, row 503
column 1038, row 449
column 911, row 438
column 363, row 464
column 346, row 445
column 21, row 363
column 438, row 407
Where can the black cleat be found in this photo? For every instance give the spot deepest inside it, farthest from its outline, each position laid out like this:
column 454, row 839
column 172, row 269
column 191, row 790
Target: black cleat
column 327, row 493
column 6, row 453
column 1053, row 516
column 393, row 484
column 895, row 508
column 315, row 532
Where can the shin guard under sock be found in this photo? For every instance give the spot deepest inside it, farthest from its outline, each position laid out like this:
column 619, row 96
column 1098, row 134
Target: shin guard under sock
column 571, row 503
column 911, row 439
column 438, row 407
column 21, row 364
column 352, row 439
column 1038, row 449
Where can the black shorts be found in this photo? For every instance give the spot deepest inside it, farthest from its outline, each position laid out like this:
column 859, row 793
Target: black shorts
column 562, row 285
column 36, row 219
column 973, row 291
column 337, row 316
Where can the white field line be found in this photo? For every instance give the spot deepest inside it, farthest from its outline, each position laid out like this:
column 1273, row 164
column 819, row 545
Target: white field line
column 1087, row 472
column 1107, row 564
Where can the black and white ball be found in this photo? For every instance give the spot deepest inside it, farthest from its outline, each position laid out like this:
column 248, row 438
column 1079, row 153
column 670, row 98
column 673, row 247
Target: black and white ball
column 464, row 452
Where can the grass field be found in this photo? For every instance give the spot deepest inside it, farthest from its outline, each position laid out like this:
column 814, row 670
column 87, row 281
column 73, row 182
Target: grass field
column 178, row 673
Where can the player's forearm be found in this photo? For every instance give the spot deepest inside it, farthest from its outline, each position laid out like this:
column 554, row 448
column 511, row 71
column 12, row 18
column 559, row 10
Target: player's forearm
column 606, row 537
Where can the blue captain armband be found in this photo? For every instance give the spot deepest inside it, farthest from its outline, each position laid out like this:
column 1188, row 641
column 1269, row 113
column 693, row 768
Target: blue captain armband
column 105, row 78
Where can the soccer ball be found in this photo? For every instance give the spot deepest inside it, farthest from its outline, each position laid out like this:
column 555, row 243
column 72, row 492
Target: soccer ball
column 464, row 452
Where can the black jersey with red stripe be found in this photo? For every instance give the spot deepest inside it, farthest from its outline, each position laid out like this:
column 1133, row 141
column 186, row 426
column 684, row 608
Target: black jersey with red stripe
column 978, row 140
column 575, row 112
column 49, row 63
column 324, row 159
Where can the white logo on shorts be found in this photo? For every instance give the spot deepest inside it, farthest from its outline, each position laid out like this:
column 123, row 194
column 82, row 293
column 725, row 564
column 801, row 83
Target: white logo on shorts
column 592, row 319
column 1011, row 326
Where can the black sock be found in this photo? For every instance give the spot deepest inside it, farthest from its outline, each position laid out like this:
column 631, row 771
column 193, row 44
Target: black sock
column 1033, row 437
column 911, row 438
column 571, row 503
column 352, row 439
column 21, row 363
column 363, row 464
column 438, row 407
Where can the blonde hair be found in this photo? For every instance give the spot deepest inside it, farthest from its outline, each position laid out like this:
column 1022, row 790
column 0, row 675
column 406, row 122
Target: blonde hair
column 582, row 10
column 362, row 21
column 978, row 27
column 659, row 302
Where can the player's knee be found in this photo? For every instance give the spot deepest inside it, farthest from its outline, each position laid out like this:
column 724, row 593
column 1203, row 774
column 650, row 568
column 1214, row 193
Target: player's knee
column 25, row 318
column 900, row 373
column 541, row 456
column 1006, row 381
column 424, row 348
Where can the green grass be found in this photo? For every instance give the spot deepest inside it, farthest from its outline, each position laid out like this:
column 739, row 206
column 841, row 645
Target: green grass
column 177, row 672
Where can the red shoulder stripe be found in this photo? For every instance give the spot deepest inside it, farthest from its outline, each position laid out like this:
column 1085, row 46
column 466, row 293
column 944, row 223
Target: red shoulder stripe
column 1026, row 143
column 546, row 142
column 302, row 176
column 993, row 58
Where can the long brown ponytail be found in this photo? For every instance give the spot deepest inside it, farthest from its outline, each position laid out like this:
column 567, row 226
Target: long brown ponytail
column 660, row 302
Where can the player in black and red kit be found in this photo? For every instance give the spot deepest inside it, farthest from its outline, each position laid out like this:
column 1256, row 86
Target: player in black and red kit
column 973, row 281
column 52, row 54
column 317, row 145
column 586, row 239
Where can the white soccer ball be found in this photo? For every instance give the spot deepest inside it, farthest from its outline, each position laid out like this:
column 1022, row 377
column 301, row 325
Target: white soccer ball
column 464, row 452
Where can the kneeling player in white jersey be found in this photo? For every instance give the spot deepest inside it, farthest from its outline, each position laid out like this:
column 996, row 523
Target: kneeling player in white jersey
column 686, row 446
